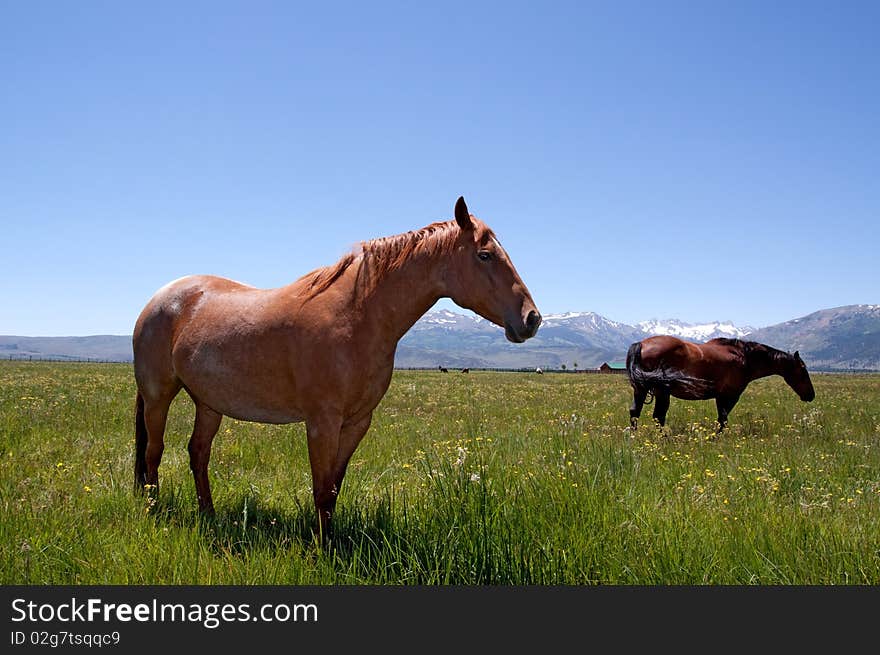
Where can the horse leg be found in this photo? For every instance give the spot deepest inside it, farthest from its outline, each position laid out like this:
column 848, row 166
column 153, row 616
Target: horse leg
column 724, row 405
column 140, row 444
column 635, row 410
column 155, row 415
column 349, row 438
column 323, row 435
column 206, row 425
column 661, row 405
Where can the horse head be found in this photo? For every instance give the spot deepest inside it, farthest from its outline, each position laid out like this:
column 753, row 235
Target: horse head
column 798, row 378
column 482, row 278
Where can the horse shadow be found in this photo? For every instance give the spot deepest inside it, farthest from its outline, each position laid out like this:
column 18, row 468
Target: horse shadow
column 247, row 525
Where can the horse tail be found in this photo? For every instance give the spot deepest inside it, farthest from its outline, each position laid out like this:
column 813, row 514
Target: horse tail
column 638, row 377
column 633, row 357
column 634, row 371
column 140, row 444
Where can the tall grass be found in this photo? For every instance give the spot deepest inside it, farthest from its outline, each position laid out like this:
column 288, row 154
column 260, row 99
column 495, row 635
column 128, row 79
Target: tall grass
column 486, row 478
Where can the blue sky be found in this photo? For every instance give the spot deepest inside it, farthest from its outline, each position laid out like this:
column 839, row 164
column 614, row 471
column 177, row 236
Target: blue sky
column 641, row 160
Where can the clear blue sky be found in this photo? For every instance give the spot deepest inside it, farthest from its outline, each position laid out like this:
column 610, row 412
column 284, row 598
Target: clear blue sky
column 702, row 161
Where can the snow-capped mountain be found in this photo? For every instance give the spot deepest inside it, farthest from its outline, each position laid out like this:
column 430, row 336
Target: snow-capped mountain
column 694, row 331
column 448, row 338
column 444, row 319
column 575, row 339
column 587, row 329
column 590, row 320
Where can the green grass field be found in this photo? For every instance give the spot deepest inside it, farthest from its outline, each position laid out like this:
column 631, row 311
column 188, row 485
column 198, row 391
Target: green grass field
column 486, row 478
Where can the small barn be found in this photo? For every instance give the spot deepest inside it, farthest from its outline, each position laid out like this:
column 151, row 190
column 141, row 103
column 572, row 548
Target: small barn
column 613, row 367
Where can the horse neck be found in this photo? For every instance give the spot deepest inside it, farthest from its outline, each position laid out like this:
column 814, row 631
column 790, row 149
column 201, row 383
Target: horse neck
column 763, row 362
column 390, row 305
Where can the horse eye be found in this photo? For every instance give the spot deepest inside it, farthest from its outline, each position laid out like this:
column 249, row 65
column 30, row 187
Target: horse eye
column 484, row 255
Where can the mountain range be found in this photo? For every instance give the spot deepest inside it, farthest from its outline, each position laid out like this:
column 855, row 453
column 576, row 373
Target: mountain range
column 844, row 338
column 841, row 338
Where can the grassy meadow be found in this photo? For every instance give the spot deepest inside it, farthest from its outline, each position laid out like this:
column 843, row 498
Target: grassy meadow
column 487, row 478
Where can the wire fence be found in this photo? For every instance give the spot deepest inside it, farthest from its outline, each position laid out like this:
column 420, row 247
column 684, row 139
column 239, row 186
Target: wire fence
column 541, row 369
column 19, row 357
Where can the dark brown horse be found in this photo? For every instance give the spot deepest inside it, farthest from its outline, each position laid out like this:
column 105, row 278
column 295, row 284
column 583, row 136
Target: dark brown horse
column 721, row 369
column 319, row 350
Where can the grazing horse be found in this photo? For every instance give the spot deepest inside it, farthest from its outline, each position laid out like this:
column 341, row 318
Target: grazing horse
column 721, row 369
column 319, row 350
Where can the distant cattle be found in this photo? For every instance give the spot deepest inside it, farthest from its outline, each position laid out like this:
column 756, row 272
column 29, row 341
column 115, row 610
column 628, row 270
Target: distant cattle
column 443, row 370
column 465, row 370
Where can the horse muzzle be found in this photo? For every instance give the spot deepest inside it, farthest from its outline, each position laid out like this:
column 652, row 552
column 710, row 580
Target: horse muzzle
column 525, row 330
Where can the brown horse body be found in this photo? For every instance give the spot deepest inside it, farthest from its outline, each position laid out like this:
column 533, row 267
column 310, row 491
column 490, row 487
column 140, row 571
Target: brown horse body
column 721, row 369
column 319, row 350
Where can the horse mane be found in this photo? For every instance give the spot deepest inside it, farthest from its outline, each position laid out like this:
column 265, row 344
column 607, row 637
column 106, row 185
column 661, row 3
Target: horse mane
column 379, row 257
column 749, row 348
column 321, row 278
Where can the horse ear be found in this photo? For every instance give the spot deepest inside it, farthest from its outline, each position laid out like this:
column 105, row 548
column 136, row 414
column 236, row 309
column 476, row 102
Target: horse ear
column 462, row 216
column 797, row 354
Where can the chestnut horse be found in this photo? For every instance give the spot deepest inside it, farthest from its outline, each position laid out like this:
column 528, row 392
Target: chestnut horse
column 721, row 369
column 319, row 350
